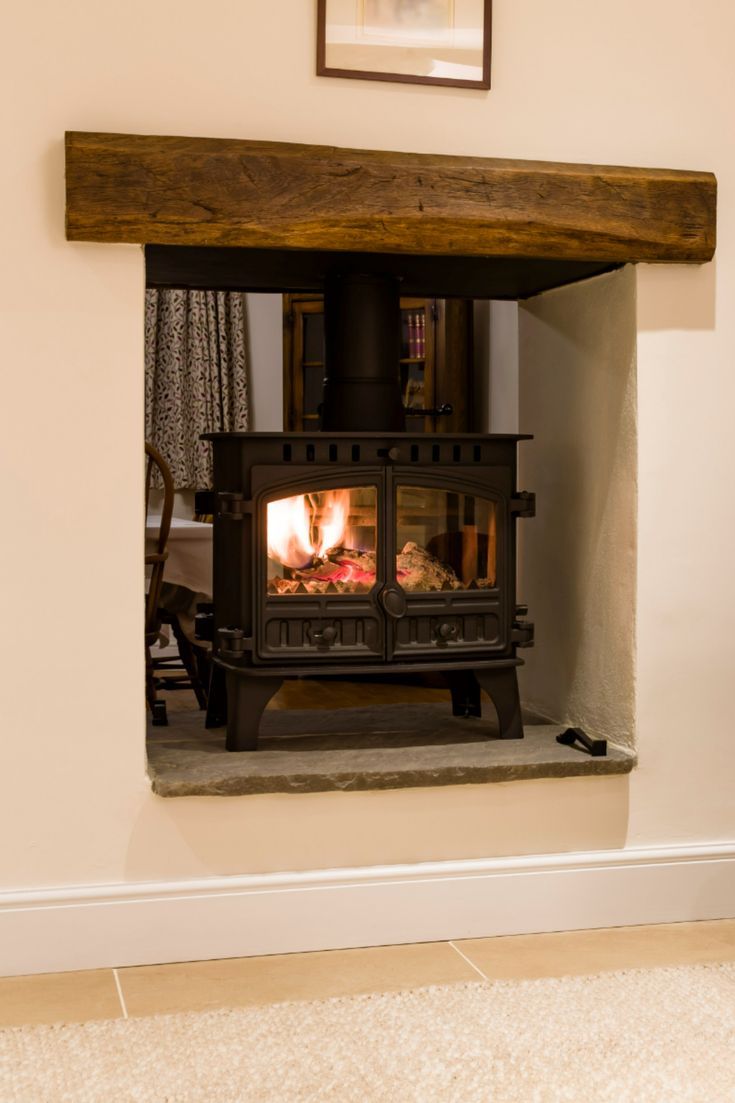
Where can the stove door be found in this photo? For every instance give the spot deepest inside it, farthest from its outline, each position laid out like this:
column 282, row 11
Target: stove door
column 454, row 565
column 319, row 564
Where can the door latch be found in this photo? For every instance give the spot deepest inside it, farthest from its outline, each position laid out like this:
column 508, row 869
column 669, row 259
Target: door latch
column 522, row 633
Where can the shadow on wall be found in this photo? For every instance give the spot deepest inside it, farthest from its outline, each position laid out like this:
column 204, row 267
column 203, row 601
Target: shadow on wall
column 577, row 381
column 676, row 296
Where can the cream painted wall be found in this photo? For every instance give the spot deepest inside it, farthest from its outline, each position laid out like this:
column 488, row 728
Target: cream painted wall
column 631, row 83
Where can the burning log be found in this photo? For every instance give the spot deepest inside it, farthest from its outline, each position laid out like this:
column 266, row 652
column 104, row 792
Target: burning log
column 339, row 570
column 418, row 571
column 341, row 565
column 348, row 571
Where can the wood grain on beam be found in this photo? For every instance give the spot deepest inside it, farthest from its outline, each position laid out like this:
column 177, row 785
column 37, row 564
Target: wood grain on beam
column 271, row 195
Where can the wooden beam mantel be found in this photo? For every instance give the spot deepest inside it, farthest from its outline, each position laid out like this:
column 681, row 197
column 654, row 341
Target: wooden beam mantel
column 272, row 195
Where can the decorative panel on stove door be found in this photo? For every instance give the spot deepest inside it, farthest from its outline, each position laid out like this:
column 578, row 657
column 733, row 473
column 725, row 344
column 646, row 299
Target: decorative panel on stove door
column 452, row 562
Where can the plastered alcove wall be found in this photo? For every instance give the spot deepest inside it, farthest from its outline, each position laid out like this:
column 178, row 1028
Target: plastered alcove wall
column 577, row 394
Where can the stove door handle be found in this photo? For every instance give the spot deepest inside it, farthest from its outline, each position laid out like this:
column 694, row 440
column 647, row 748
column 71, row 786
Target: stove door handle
column 393, row 600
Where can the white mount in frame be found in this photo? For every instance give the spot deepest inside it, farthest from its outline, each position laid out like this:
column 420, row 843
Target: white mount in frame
column 445, row 42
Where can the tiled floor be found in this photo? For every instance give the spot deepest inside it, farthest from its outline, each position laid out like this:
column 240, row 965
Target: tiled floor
column 115, row 993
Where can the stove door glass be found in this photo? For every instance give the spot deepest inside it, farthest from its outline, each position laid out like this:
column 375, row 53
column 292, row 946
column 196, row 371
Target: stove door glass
column 444, row 540
column 323, row 542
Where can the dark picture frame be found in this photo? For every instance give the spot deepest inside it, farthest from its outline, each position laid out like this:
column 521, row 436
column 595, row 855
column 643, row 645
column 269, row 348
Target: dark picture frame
column 442, row 42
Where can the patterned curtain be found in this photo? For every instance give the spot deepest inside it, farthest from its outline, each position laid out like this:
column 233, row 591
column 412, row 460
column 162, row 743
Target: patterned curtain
column 196, row 376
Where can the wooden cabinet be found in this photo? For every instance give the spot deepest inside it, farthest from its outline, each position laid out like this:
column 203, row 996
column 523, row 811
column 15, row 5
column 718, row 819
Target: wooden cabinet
column 436, row 363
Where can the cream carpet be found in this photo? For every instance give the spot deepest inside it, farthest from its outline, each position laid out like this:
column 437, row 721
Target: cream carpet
column 653, row 1036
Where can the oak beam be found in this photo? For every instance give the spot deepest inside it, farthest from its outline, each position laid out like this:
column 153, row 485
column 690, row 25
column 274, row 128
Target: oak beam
column 274, row 195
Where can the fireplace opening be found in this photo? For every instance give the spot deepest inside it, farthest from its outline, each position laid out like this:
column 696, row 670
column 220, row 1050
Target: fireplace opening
column 378, row 559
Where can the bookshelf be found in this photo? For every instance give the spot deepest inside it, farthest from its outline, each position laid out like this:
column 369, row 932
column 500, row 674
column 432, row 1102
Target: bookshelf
column 435, row 366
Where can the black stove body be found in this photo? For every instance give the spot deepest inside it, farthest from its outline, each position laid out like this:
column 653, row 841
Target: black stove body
column 429, row 586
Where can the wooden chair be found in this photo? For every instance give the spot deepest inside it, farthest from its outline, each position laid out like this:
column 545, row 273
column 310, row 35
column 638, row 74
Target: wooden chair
column 156, row 560
column 189, row 669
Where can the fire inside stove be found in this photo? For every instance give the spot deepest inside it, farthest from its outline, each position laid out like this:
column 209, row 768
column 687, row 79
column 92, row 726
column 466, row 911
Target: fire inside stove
column 327, row 541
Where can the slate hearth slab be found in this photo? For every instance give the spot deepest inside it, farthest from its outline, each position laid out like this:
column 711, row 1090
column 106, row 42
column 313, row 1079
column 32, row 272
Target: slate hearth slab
column 381, row 747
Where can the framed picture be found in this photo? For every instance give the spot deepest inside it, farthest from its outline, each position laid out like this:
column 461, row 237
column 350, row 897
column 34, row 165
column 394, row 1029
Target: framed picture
column 415, row 41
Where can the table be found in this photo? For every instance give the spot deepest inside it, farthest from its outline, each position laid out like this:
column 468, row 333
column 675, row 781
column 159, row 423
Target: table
column 187, row 572
column 189, row 560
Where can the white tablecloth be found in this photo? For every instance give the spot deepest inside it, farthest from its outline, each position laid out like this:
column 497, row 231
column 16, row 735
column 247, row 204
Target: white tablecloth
column 189, row 560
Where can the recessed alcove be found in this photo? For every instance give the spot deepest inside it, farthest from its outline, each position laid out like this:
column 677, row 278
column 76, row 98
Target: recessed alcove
column 563, row 366
column 488, row 230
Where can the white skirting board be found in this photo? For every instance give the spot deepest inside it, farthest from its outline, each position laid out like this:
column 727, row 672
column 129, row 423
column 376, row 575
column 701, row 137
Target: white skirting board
column 95, row 927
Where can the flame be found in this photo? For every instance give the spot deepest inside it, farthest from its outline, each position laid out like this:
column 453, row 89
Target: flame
column 333, row 521
column 305, row 527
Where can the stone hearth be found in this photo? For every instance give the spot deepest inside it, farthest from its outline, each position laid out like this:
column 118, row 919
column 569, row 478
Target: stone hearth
column 393, row 746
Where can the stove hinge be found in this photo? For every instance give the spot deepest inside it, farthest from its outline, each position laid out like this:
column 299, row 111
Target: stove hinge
column 233, row 505
column 233, row 643
column 524, row 504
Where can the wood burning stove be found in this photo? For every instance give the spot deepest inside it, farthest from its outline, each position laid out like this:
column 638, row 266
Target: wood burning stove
column 370, row 554
column 362, row 549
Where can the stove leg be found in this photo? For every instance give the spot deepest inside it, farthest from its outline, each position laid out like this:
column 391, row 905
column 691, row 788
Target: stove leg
column 246, row 701
column 465, row 692
column 216, row 698
column 502, row 687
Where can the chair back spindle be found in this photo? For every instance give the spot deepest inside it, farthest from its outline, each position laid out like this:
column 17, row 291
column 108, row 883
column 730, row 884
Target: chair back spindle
column 156, row 558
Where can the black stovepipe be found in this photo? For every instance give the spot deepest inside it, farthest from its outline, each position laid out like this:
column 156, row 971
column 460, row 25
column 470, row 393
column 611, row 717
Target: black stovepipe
column 362, row 352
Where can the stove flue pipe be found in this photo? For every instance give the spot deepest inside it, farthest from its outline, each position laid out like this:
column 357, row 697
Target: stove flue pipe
column 362, row 339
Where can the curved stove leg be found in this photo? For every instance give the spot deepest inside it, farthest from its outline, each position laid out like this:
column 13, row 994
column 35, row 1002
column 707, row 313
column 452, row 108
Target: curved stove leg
column 246, row 701
column 502, row 687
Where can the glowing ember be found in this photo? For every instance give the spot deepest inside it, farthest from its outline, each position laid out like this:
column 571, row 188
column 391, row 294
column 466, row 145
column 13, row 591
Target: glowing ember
column 341, row 569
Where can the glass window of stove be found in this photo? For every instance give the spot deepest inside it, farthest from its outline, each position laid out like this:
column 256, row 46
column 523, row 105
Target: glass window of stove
column 323, row 542
column 445, row 540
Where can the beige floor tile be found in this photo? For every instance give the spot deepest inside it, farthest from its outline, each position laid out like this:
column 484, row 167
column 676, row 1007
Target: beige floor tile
column 575, row 953
column 724, row 931
column 241, row 981
column 59, row 997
